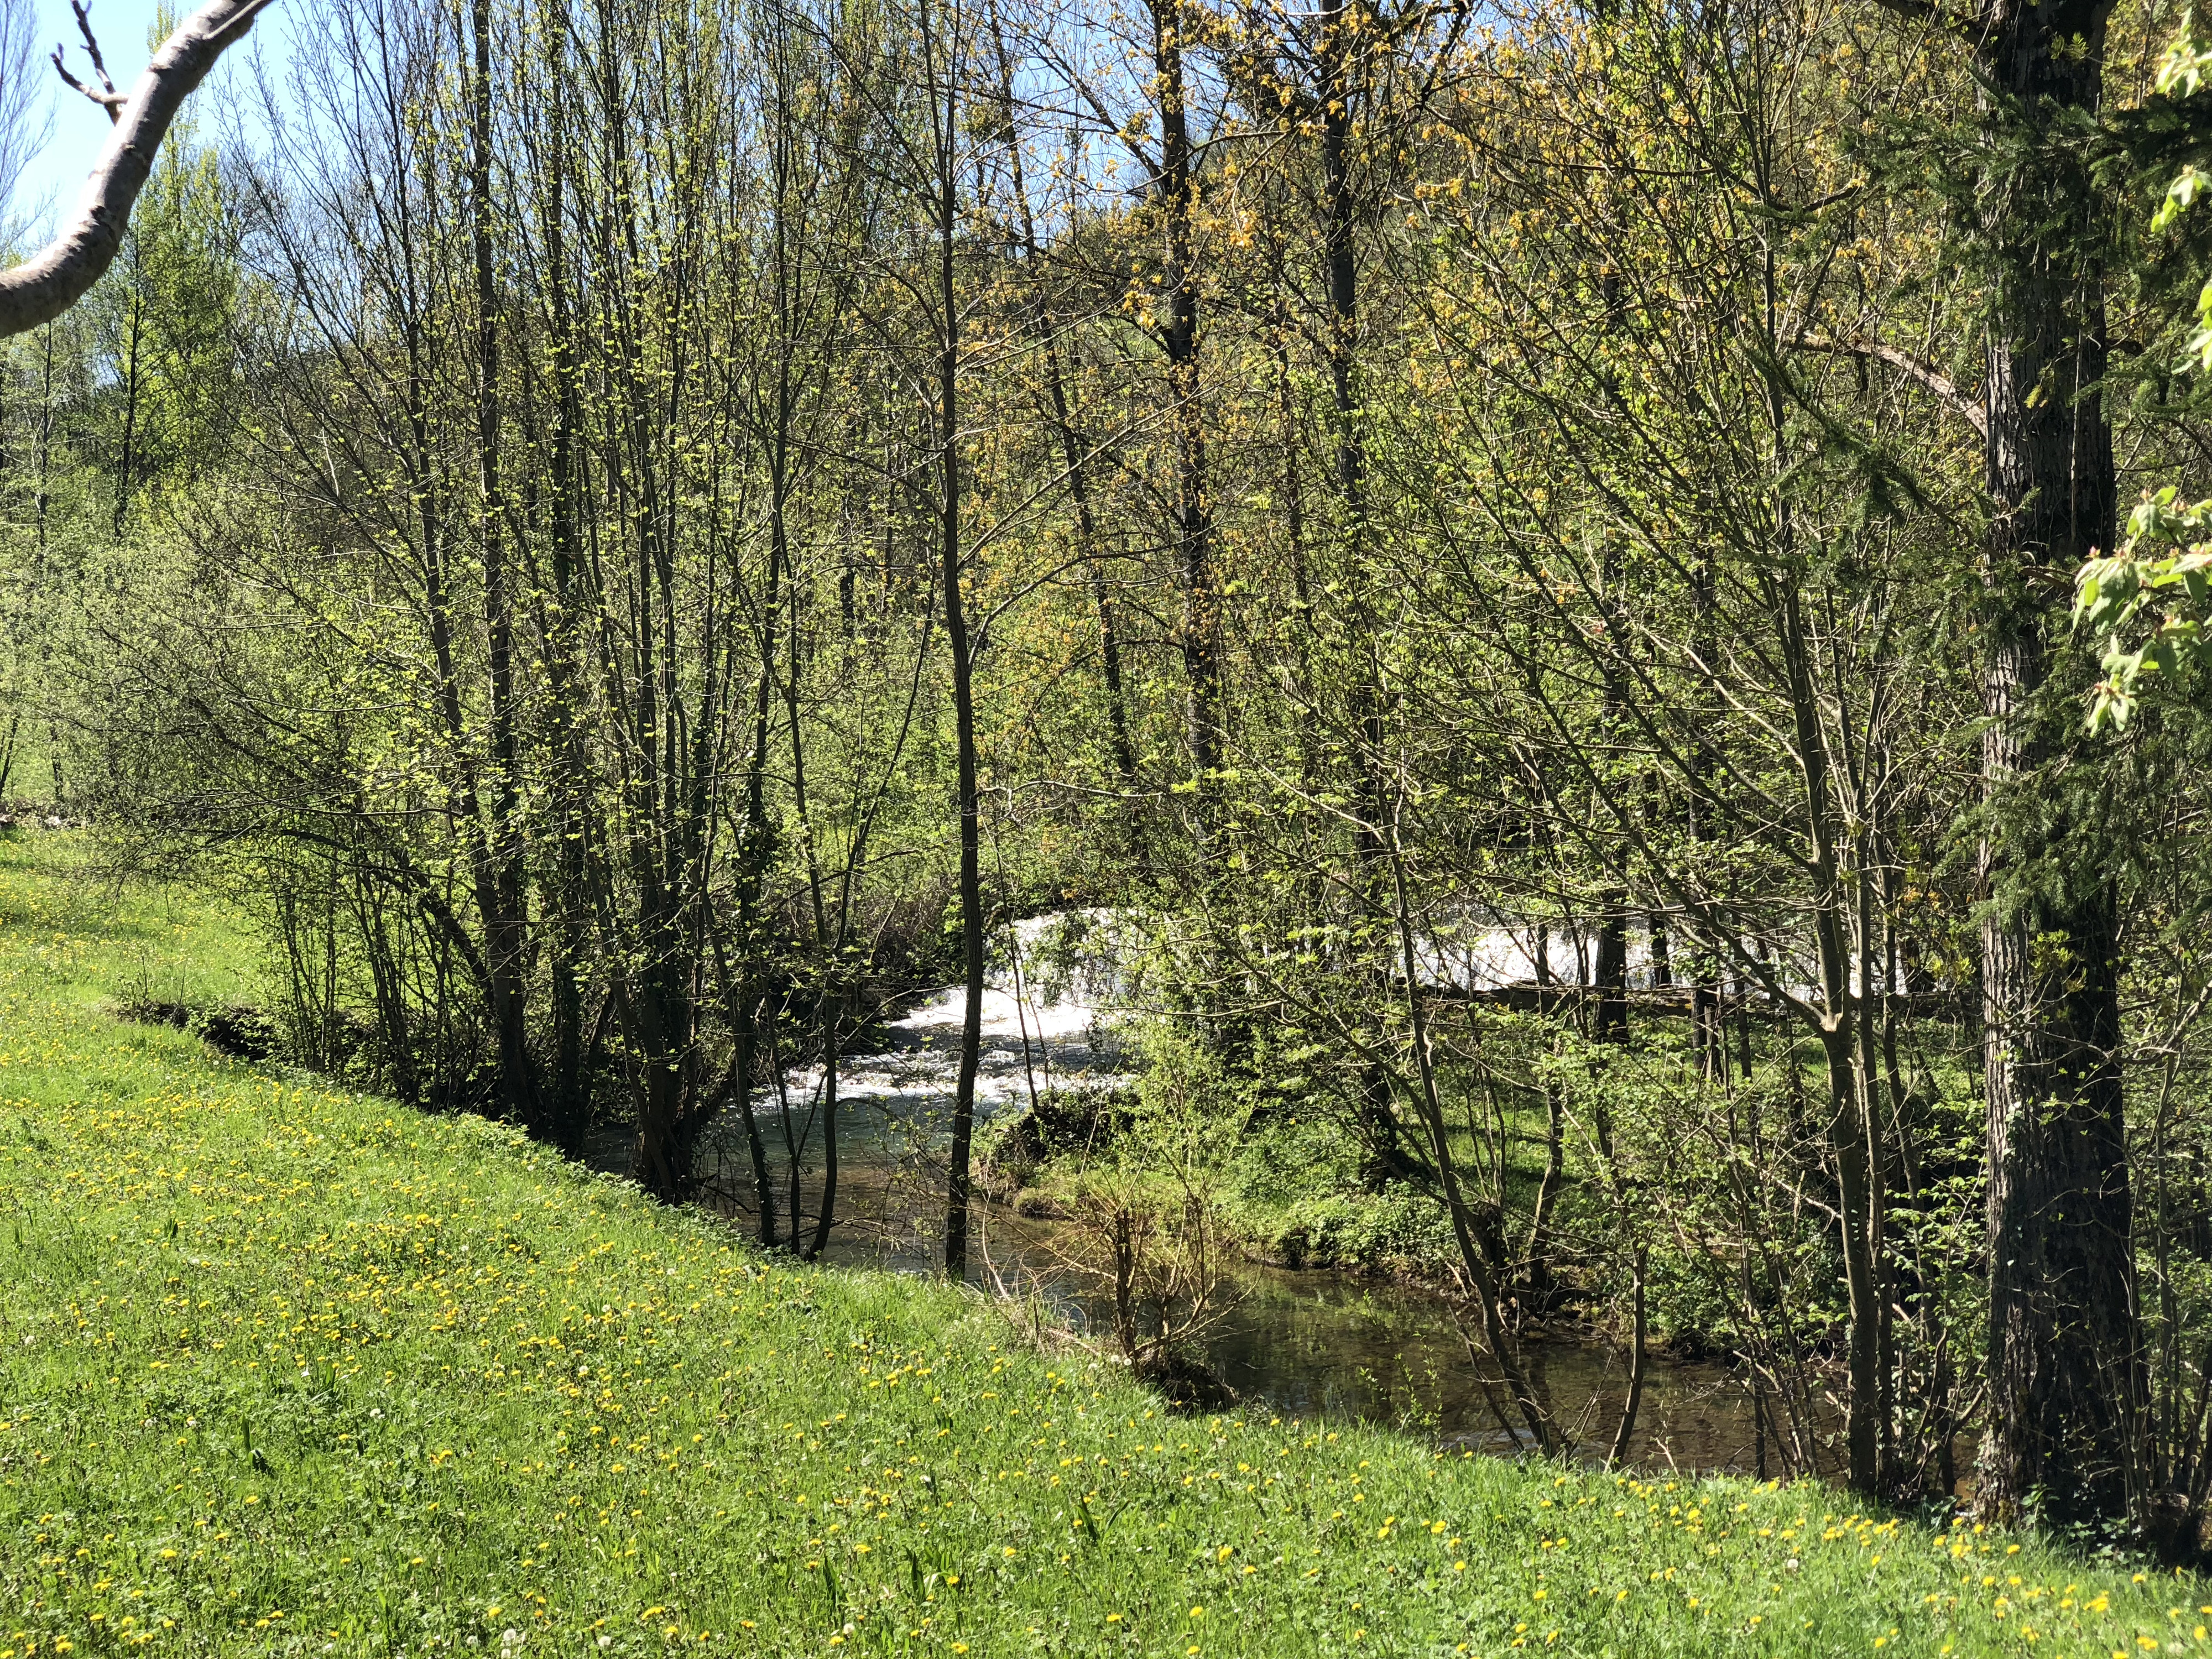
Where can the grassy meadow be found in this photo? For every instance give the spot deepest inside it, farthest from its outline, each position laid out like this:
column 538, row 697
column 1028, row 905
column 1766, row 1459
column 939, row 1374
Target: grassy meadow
column 287, row 1370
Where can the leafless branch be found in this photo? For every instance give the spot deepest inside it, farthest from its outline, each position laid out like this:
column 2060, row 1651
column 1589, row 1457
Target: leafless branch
column 58, row 275
column 113, row 100
column 23, row 125
column 1925, row 374
column 110, row 101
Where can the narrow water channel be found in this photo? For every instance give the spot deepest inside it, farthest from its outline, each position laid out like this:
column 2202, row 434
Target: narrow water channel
column 1305, row 1343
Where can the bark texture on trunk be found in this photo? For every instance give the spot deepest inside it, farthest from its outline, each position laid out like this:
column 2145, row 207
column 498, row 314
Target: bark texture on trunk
column 2065, row 1370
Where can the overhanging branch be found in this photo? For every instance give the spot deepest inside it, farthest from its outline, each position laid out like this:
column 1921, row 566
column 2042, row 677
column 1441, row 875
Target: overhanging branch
column 58, row 275
column 1926, row 375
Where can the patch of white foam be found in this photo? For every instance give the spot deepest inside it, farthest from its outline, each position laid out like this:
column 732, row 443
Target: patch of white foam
column 1058, row 1033
column 1004, row 1016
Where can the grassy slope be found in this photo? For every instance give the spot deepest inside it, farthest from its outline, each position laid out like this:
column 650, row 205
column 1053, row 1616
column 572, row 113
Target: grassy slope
column 284, row 1370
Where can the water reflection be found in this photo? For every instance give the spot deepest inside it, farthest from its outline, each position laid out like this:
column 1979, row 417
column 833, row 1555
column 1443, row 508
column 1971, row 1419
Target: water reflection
column 1317, row 1343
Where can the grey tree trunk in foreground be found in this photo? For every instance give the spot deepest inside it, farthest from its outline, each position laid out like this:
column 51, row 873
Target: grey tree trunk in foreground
column 58, row 275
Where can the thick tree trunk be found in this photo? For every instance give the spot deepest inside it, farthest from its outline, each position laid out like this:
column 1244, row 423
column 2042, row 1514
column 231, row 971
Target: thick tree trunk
column 1610, row 1022
column 2065, row 1371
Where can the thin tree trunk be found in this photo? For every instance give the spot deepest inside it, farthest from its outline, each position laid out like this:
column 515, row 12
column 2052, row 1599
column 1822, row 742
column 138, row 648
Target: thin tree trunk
column 1637, row 1362
column 754, row 851
column 1201, row 627
column 126, row 464
column 501, row 877
column 958, row 1177
column 1540, row 1280
column 1849, row 1135
column 830, row 1017
column 1472, row 1259
column 1120, row 745
column 567, row 1096
column 744, row 1022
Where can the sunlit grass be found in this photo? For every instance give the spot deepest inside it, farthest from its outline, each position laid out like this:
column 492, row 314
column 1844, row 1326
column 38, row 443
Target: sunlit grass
column 284, row 1369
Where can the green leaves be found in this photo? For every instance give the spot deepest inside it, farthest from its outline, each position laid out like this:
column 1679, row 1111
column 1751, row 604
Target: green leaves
column 2181, row 71
column 2161, row 570
column 2180, row 195
column 2148, row 603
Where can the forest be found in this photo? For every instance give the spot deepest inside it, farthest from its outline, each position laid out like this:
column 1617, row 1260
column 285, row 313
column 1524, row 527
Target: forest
column 1602, row 600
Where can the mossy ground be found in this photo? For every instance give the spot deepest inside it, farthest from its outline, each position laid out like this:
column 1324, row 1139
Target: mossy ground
column 289, row 1370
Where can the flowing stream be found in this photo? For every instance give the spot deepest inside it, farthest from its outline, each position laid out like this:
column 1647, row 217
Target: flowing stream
column 1312, row 1342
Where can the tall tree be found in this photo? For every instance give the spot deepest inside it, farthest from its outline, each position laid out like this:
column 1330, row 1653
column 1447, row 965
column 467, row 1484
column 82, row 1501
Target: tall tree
column 2064, row 1366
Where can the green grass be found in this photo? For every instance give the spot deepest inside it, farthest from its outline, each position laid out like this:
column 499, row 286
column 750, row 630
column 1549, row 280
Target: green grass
column 285, row 1370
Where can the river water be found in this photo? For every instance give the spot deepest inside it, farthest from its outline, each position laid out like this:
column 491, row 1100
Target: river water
column 1307, row 1343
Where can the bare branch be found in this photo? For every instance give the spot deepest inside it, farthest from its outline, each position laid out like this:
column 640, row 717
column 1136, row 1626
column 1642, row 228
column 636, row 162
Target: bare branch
column 58, row 275
column 111, row 101
column 82, row 10
column 1925, row 374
